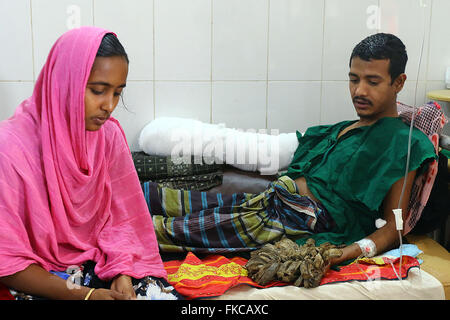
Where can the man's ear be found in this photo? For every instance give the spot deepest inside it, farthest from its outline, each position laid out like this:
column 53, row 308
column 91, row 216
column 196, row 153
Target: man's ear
column 399, row 82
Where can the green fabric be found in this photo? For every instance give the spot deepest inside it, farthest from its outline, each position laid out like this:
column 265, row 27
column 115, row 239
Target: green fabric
column 446, row 153
column 352, row 175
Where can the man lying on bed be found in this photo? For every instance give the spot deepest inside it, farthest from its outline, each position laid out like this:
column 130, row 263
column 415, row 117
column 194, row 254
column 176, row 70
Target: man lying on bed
column 342, row 178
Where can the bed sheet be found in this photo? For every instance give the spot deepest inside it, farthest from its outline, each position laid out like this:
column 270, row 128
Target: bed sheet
column 420, row 285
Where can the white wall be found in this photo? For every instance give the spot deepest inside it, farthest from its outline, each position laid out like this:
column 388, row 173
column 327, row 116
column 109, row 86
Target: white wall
column 275, row 64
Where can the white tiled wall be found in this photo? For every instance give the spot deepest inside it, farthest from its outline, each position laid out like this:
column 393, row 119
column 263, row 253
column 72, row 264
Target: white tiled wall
column 296, row 40
column 49, row 19
column 275, row 64
column 15, row 34
column 183, row 40
column 345, row 24
column 133, row 22
column 234, row 103
column 240, row 39
column 183, row 99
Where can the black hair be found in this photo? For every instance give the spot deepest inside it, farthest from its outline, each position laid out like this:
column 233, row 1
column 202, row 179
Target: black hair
column 381, row 46
column 111, row 47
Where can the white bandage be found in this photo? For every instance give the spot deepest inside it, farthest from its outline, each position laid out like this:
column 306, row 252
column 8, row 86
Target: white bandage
column 380, row 223
column 368, row 247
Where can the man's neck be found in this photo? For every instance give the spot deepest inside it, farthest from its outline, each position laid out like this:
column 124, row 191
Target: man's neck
column 368, row 121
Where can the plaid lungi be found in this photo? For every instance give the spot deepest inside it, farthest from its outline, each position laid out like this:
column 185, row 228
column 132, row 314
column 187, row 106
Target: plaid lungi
column 201, row 221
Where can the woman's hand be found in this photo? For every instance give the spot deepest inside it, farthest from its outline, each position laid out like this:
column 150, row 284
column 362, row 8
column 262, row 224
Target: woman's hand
column 123, row 285
column 106, row 294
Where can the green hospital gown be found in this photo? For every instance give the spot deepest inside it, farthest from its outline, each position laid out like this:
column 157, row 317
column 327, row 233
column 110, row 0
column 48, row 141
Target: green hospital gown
column 352, row 175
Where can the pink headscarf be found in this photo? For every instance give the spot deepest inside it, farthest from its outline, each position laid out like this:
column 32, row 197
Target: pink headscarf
column 68, row 195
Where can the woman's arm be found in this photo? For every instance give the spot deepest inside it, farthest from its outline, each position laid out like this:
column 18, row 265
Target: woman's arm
column 123, row 284
column 386, row 237
column 37, row 281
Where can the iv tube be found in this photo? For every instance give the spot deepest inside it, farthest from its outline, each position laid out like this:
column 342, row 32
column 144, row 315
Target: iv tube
column 409, row 148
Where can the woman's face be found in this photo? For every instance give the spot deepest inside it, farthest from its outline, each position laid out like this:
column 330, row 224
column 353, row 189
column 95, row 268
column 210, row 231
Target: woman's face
column 105, row 84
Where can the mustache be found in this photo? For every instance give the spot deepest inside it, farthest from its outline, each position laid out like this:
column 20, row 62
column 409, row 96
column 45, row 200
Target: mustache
column 362, row 100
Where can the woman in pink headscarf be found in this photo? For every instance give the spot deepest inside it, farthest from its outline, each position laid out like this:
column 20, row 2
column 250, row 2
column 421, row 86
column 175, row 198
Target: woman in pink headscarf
column 69, row 192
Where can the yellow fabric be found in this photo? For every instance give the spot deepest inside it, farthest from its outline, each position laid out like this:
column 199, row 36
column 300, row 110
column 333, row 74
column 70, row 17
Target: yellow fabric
column 195, row 272
column 440, row 95
column 436, row 260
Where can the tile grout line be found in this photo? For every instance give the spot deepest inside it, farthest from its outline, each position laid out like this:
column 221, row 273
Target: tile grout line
column 428, row 48
column 32, row 42
column 16, row 81
column 211, row 65
column 322, row 62
column 267, row 65
column 93, row 12
column 154, row 64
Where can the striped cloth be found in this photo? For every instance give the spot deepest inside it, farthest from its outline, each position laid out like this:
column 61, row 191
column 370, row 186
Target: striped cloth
column 213, row 222
column 430, row 119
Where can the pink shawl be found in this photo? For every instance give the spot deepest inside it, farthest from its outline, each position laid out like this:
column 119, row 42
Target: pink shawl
column 68, row 195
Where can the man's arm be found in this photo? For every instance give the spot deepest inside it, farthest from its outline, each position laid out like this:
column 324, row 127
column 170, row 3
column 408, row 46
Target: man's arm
column 386, row 237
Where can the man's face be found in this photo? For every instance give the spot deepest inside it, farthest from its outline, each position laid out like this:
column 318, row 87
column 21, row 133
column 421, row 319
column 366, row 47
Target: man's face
column 373, row 93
